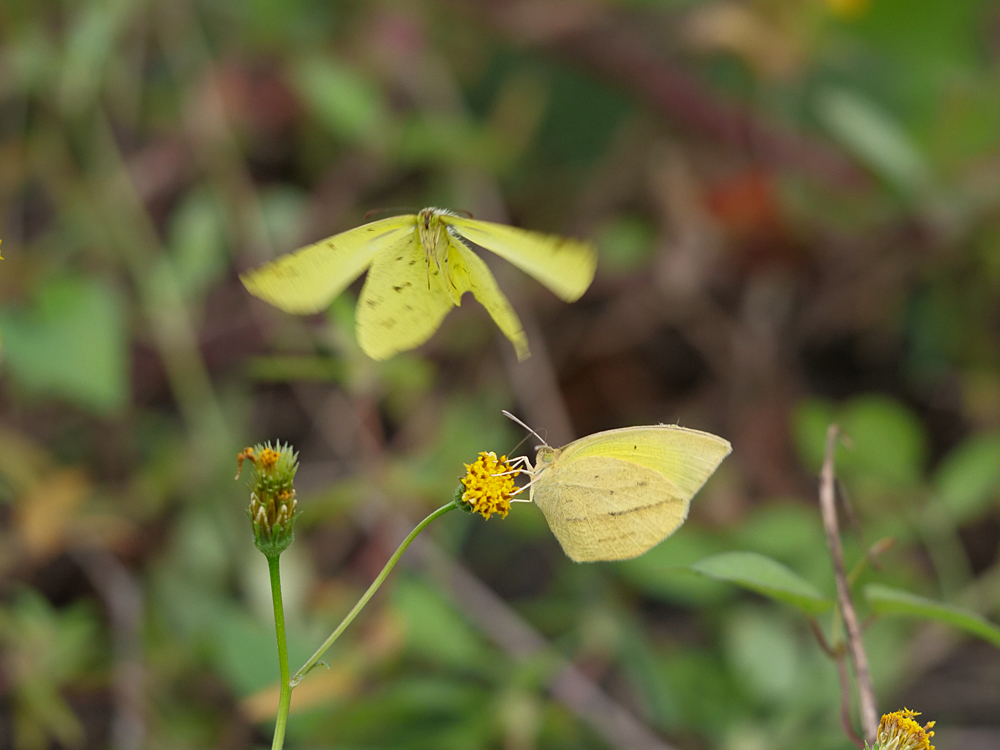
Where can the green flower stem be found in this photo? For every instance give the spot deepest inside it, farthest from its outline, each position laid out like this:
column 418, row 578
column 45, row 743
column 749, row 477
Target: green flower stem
column 285, row 699
column 368, row 594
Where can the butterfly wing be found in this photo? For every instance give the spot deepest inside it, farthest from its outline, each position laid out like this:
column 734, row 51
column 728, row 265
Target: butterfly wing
column 403, row 301
column 686, row 457
column 616, row 494
column 563, row 265
column 608, row 509
column 308, row 280
column 470, row 273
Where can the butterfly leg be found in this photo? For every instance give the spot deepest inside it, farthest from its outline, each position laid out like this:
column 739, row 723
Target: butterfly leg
column 521, row 461
column 520, row 490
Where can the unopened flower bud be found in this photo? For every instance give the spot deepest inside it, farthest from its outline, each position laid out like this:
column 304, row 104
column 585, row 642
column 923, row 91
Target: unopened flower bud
column 273, row 507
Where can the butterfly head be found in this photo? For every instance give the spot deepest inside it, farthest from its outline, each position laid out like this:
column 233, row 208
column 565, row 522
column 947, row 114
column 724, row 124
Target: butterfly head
column 545, row 456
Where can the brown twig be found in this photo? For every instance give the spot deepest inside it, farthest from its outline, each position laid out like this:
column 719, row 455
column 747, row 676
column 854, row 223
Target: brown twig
column 817, row 631
column 845, row 701
column 837, row 654
column 123, row 597
column 855, row 646
column 614, row 49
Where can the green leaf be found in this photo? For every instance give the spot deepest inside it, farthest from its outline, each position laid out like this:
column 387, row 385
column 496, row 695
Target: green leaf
column 765, row 576
column 874, row 137
column 968, row 478
column 809, row 422
column 196, row 237
column 625, row 244
column 887, row 441
column 72, row 343
column 436, row 630
column 663, row 572
column 349, row 105
column 888, row 601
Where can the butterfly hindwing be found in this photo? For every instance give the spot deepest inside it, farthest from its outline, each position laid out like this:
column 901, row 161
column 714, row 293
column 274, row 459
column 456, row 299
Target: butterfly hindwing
column 608, row 509
column 403, row 300
column 470, row 273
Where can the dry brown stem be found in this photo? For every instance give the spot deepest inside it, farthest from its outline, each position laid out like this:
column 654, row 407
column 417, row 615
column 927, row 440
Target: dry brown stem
column 855, row 646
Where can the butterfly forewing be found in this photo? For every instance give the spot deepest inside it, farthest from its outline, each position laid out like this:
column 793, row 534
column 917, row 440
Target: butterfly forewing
column 686, row 457
column 309, row 279
column 563, row 265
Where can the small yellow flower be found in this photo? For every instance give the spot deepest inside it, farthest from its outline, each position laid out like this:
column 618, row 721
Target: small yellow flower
column 268, row 458
column 898, row 731
column 489, row 485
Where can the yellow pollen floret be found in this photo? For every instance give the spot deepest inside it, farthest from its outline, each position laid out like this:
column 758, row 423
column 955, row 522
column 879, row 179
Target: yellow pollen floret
column 268, row 458
column 898, row 731
column 489, row 484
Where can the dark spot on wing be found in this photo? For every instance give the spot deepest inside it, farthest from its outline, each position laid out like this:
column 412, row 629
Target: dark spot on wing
column 412, row 262
column 638, row 509
column 371, row 303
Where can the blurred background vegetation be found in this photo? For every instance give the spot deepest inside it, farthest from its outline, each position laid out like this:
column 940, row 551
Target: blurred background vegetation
column 797, row 208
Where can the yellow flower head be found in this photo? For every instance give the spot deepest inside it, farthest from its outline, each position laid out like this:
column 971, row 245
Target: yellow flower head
column 898, row 731
column 489, row 485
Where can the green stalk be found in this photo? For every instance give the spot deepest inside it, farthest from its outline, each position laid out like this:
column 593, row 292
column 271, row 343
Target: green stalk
column 364, row 599
column 285, row 699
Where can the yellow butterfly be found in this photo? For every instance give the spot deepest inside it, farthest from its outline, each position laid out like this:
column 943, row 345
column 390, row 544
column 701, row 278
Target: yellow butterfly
column 419, row 266
column 613, row 495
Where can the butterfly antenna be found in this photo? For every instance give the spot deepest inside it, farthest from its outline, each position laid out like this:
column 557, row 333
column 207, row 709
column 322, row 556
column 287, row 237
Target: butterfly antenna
column 519, row 444
column 515, row 419
column 463, row 211
column 378, row 211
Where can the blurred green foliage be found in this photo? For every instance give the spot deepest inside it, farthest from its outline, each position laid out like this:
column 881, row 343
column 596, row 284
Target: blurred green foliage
column 796, row 206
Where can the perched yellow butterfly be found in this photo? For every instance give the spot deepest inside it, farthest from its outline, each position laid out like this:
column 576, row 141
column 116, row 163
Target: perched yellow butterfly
column 419, row 266
column 613, row 495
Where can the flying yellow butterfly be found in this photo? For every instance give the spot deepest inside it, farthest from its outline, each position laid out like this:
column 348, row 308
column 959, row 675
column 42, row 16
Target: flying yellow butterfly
column 419, row 266
column 613, row 495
